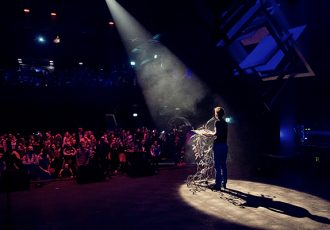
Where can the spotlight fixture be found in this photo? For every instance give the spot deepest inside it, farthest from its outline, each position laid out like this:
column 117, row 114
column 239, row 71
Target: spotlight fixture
column 57, row 40
column 229, row 120
column 41, row 39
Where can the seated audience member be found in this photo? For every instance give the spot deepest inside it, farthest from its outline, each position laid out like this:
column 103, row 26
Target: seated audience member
column 30, row 162
column 43, row 170
column 56, row 163
column 155, row 153
column 102, row 154
column 66, row 171
column 70, row 154
column 83, row 156
column 14, row 177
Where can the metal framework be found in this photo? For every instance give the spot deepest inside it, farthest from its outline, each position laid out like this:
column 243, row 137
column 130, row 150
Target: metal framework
column 205, row 172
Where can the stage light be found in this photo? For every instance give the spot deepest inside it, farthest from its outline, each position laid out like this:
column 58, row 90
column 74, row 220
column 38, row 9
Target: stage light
column 133, row 63
column 41, row 39
column 155, row 56
column 57, row 40
column 51, row 62
column 135, row 114
column 111, row 23
column 53, row 14
column 80, row 63
column 19, row 60
column 37, row 70
column 26, row 10
column 229, row 120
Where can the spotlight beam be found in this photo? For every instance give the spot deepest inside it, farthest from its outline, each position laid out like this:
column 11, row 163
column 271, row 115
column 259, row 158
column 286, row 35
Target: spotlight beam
column 163, row 79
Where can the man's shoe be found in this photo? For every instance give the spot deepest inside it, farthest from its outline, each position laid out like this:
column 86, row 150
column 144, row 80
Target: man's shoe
column 215, row 187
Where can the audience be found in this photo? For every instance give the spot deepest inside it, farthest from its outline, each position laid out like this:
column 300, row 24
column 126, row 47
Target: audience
column 49, row 156
column 81, row 77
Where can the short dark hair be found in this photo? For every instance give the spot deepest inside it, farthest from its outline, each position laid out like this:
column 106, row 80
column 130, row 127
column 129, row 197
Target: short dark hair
column 219, row 111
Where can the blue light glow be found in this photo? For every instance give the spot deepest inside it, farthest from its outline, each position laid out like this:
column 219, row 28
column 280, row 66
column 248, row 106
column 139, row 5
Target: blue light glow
column 41, row 39
column 267, row 55
column 229, row 120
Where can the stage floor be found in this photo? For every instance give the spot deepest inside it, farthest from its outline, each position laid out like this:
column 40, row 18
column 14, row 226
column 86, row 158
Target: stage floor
column 164, row 201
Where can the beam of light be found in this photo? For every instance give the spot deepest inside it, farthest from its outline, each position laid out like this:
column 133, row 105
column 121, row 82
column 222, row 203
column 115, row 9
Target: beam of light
column 260, row 206
column 163, row 77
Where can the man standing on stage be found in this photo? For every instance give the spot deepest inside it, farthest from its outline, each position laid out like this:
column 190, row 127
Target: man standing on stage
column 220, row 148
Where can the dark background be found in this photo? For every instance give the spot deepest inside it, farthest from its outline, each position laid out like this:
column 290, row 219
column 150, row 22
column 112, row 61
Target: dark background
column 187, row 29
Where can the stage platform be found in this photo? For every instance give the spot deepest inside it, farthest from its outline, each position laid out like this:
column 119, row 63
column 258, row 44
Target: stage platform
column 163, row 201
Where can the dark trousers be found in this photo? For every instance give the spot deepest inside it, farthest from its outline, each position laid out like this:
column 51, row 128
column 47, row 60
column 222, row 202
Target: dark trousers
column 220, row 163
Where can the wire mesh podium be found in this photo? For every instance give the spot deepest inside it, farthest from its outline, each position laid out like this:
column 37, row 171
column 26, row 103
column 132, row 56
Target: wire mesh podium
column 205, row 172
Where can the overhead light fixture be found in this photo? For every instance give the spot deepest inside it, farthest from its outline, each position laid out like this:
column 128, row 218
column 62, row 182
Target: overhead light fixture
column 57, row 40
column 41, row 39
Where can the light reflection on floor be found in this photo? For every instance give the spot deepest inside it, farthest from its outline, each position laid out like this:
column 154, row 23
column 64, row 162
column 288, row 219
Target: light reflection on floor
column 261, row 206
